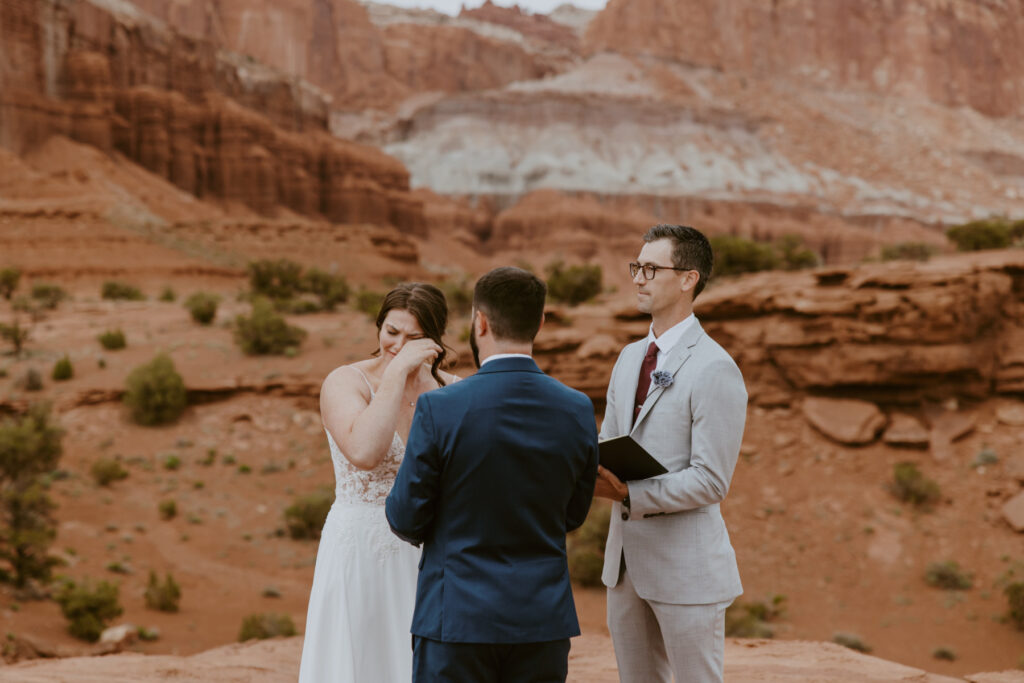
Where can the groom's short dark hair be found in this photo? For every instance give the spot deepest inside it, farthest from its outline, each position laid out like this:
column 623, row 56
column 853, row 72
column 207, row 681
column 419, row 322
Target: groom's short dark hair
column 513, row 300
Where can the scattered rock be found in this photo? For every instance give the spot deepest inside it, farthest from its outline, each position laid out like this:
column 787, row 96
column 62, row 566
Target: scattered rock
column 906, row 430
column 847, row 421
column 1013, row 512
column 599, row 346
column 122, row 635
column 948, row 427
column 1012, row 415
column 1015, row 467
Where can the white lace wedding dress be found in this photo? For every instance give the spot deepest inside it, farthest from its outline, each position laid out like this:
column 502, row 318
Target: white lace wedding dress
column 364, row 585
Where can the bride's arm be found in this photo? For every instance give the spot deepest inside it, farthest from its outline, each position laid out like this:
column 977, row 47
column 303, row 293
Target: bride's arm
column 363, row 427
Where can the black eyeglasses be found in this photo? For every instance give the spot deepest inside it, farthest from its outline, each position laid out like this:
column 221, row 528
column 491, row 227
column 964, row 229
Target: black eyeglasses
column 651, row 270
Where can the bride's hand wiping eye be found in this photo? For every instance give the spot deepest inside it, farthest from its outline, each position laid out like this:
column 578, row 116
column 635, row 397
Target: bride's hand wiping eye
column 414, row 353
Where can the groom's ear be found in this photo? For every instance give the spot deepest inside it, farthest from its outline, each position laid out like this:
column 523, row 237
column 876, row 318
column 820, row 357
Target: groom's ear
column 542, row 317
column 480, row 322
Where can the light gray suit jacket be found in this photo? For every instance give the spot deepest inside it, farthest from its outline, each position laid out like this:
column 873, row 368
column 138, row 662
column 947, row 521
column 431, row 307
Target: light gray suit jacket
column 673, row 536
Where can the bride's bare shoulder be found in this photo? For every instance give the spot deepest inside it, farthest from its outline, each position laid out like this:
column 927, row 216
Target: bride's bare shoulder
column 346, row 379
column 449, row 377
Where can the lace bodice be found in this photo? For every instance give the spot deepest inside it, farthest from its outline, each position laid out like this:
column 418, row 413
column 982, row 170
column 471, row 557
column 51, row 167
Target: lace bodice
column 353, row 485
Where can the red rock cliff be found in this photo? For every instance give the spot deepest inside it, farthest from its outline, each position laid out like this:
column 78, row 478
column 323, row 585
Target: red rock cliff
column 957, row 52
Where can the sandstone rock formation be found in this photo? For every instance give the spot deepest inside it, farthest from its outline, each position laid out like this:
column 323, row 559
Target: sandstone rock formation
column 1013, row 512
column 847, row 421
column 957, row 53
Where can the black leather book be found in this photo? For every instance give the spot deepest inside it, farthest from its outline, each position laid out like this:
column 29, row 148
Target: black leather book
column 628, row 460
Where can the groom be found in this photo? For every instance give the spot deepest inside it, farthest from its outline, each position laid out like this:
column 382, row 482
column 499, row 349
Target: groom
column 498, row 467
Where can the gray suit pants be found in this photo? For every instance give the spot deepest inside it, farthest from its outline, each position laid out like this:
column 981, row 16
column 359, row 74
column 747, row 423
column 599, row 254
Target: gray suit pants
column 654, row 640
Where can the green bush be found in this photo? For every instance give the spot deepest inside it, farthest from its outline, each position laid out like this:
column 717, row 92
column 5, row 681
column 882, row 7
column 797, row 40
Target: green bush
column 48, row 295
column 1014, row 593
column 16, row 334
column 266, row 332
column 162, row 596
column 63, row 370
column 27, row 530
column 9, row 278
column 752, row 619
column 105, row 471
column 794, row 255
column 168, row 295
column 459, row 296
column 852, row 641
column 306, row 515
column 910, row 486
column 30, row 445
column 330, row 290
column 585, row 546
column 280, row 279
column 908, row 251
column 369, row 302
column 203, row 307
column 573, row 284
column 88, row 608
column 168, row 509
column 266, row 625
column 944, row 653
column 947, row 575
column 112, row 340
column 172, row 462
column 736, row 255
column 155, row 392
column 991, row 233
column 121, row 290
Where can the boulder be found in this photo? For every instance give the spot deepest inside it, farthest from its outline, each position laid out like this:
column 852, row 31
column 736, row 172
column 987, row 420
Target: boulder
column 122, row 635
column 599, row 346
column 1012, row 415
column 1013, row 512
column 847, row 421
column 1015, row 467
column 906, row 430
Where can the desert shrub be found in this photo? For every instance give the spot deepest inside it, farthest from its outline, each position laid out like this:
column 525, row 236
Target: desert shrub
column 330, row 290
column 155, row 392
column 585, row 546
column 32, row 380
column 266, row 332
column 908, row 251
column 63, row 370
column 752, row 619
column 48, row 295
column 573, row 284
column 266, row 625
column 168, row 509
column 172, row 462
column 30, row 445
column 986, row 456
column 164, row 596
column 27, row 530
column 990, row 233
column 112, row 340
column 15, row 334
column 121, row 290
column 306, row 515
column 910, row 486
column 1014, row 593
column 297, row 306
column 459, row 296
column 203, row 307
column 369, row 301
column 148, row 634
column 9, row 278
column 168, row 295
column 947, row 575
column 944, row 653
column 88, row 608
column 852, row 641
column 794, row 255
column 280, row 279
column 105, row 471
column 736, row 255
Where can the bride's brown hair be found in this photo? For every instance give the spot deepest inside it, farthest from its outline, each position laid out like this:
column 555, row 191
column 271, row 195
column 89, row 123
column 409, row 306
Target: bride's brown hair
column 427, row 304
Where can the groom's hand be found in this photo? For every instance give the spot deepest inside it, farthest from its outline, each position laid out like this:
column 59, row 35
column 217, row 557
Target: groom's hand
column 609, row 486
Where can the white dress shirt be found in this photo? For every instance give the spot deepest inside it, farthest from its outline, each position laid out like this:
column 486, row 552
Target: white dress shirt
column 668, row 339
column 499, row 356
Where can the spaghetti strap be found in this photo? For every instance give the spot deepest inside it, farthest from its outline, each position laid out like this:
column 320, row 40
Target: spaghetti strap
column 365, row 379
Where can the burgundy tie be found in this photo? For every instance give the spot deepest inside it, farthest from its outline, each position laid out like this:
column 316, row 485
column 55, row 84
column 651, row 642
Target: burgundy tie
column 644, row 383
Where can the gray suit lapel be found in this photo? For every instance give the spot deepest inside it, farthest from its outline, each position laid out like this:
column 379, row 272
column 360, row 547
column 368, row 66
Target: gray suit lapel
column 631, row 366
column 676, row 359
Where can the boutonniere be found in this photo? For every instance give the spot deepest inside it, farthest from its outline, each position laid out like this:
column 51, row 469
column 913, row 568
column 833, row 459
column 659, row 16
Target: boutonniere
column 662, row 379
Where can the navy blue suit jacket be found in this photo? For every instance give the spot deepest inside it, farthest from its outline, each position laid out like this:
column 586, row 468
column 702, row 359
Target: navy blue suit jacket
column 498, row 467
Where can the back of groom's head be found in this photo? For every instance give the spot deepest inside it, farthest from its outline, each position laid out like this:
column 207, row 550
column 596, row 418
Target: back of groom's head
column 513, row 301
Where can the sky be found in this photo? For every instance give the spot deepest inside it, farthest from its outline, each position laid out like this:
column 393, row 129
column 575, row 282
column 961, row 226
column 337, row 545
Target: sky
column 453, row 6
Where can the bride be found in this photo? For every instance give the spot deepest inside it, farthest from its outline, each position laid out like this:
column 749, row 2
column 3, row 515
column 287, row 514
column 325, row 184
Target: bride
column 364, row 585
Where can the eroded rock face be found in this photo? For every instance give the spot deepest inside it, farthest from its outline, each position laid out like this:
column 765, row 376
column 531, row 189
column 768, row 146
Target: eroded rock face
column 848, row 421
column 956, row 53
column 187, row 112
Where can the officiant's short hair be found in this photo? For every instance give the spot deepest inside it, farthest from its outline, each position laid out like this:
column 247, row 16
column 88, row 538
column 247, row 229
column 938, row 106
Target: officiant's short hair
column 513, row 300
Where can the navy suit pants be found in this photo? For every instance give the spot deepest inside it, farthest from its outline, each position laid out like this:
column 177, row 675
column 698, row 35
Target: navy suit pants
column 437, row 662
